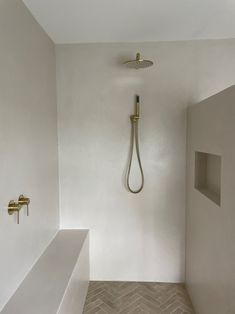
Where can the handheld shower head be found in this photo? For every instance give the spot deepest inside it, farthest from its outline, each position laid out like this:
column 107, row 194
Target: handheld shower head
column 137, row 106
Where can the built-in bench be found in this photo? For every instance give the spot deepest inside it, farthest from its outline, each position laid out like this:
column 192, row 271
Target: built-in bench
column 58, row 282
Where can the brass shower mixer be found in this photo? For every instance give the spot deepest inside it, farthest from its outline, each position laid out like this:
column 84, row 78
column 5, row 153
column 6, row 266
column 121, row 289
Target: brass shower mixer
column 15, row 207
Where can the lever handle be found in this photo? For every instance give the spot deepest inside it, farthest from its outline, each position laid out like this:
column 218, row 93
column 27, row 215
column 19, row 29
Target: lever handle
column 18, row 217
column 23, row 200
column 14, row 207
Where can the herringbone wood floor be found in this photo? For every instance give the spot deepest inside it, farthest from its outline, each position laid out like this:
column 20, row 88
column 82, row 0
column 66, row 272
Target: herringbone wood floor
column 137, row 298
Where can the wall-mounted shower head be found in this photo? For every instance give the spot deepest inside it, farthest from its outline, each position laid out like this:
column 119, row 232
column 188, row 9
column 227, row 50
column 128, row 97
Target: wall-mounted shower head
column 138, row 63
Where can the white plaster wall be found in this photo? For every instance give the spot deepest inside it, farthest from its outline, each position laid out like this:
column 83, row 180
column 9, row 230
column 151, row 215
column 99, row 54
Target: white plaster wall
column 210, row 262
column 28, row 142
column 132, row 237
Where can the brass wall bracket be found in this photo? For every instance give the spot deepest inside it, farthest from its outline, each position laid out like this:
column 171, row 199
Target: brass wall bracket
column 134, row 118
column 14, row 207
column 24, row 201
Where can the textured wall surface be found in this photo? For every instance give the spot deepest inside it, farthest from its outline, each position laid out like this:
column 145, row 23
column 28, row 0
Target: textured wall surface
column 28, row 142
column 133, row 237
column 210, row 262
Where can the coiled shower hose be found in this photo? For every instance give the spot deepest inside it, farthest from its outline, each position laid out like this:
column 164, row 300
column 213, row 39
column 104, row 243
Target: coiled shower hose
column 135, row 140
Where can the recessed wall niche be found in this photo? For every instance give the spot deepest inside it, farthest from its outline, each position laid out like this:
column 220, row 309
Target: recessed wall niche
column 208, row 175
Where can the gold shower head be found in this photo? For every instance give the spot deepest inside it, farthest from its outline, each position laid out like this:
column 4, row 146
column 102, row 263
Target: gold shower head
column 138, row 63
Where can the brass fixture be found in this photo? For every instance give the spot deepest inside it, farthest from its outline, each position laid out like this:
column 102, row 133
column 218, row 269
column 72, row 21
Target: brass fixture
column 14, row 207
column 24, row 201
column 134, row 140
column 138, row 63
column 135, row 117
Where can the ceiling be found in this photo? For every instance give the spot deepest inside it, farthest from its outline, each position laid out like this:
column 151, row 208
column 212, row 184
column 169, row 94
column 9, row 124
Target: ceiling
column 75, row 21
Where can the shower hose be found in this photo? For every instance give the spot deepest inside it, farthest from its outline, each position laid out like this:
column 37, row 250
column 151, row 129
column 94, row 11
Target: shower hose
column 134, row 140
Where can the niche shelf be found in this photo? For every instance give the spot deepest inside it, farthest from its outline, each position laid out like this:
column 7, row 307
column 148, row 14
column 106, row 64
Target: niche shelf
column 208, row 175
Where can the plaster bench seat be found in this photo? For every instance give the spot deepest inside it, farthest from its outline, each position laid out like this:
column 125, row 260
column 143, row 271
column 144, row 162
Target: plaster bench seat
column 58, row 282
